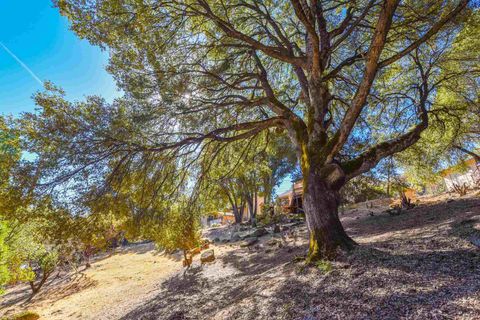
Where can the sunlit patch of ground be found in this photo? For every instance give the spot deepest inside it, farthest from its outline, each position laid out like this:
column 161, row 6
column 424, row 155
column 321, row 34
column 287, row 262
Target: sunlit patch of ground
column 110, row 288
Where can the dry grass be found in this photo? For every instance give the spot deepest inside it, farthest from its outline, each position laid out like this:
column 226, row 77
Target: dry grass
column 418, row 265
column 110, row 288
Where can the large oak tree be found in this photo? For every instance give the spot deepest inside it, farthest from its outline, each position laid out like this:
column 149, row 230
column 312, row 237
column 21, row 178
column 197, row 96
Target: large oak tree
column 350, row 83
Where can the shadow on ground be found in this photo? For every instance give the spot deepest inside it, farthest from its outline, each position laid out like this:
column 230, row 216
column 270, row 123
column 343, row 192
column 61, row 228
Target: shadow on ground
column 432, row 273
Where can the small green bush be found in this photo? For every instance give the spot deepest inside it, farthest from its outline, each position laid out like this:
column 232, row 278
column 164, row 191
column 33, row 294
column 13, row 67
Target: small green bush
column 324, row 266
column 26, row 315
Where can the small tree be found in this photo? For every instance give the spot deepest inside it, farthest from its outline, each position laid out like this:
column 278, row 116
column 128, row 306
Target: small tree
column 180, row 229
column 42, row 262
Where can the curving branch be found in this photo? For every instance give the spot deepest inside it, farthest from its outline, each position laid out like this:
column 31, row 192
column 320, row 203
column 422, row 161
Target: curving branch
column 371, row 67
column 251, row 128
column 279, row 53
column 431, row 32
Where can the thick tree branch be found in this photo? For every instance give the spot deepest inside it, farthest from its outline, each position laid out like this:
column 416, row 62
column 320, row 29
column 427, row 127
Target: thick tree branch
column 279, row 53
column 363, row 90
column 431, row 32
column 252, row 128
column 370, row 158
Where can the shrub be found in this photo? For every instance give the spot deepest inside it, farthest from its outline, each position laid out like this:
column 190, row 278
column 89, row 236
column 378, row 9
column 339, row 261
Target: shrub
column 324, row 266
column 4, row 274
column 27, row 315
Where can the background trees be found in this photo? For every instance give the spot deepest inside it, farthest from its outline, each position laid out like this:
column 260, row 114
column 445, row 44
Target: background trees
column 245, row 173
column 453, row 133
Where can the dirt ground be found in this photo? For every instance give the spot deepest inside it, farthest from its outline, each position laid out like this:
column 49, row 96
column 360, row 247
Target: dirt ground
column 417, row 265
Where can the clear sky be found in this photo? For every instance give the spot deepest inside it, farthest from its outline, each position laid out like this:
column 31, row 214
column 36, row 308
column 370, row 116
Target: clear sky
column 36, row 44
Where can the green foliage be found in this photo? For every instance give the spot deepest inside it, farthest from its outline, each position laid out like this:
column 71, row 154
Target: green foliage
column 31, row 255
column 4, row 254
column 26, row 315
column 268, row 219
column 455, row 112
column 180, row 229
column 324, row 266
column 362, row 188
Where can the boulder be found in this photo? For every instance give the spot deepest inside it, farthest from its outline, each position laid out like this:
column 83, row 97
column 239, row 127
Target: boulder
column 207, row 256
column 475, row 240
column 272, row 242
column 236, row 237
column 395, row 211
column 259, row 232
column 249, row 242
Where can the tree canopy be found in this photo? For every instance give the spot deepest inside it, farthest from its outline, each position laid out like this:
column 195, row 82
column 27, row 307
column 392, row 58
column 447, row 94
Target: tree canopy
column 348, row 83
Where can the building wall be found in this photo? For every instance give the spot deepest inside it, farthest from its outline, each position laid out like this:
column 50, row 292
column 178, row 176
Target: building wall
column 470, row 178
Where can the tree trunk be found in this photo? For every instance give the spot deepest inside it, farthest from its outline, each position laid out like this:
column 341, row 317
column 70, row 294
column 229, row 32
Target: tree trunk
column 236, row 214
column 321, row 202
column 36, row 288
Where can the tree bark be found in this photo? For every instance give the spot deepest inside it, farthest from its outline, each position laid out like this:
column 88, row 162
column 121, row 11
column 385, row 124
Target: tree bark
column 321, row 201
column 36, row 288
column 237, row 214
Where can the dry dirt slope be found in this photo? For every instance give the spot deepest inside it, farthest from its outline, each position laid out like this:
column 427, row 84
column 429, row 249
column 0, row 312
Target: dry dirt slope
column 419, row 265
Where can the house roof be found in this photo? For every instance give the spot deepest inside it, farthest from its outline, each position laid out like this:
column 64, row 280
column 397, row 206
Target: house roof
column 285, row 194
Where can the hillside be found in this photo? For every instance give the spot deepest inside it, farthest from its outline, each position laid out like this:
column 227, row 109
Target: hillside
column 417, row 265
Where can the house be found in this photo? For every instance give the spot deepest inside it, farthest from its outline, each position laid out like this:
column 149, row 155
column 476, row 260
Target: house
column 218, row 218
column 292, row 200
column 466, row 173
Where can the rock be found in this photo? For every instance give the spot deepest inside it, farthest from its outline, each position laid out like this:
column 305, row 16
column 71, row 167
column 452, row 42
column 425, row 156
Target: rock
column 475, row 240
column 236, row 237
column 394, row 211
column 207, row 256
column 468, row 221
column 289, row 226
column 249, row 242
column 259, row 232
column 216, row 240
column 276, row 229
column 371, row 214
column 272, row 242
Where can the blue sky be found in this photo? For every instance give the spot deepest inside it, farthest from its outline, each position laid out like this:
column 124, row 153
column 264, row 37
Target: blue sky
column 36, row 44
column 40, row 38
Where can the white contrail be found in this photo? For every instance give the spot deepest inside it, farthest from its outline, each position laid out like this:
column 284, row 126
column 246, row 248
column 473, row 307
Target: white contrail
column 23, row 65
